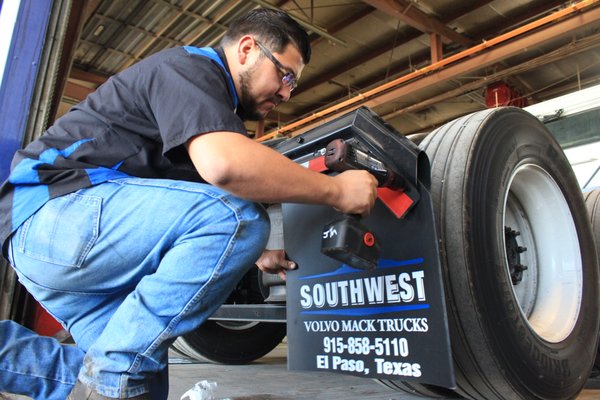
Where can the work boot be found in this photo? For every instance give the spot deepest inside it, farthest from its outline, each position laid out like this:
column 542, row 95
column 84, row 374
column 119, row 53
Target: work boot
column 82, row 392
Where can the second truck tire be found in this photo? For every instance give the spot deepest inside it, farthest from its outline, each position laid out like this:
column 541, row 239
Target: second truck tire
column 234, row 342
column 592, row 204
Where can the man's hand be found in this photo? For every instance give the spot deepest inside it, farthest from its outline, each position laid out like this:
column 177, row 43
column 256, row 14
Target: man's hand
column 357, row 192
column 274, row 262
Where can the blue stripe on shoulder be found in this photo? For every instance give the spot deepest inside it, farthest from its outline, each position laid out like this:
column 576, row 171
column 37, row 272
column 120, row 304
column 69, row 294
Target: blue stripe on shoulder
column 212, row 54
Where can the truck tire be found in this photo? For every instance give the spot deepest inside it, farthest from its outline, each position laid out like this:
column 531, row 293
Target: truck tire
column 592, row 204
column 421, row 389
column 234, row 342
column 518, row 263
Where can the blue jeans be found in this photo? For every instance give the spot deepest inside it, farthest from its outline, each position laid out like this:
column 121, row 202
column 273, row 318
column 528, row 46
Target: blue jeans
column 126, row 266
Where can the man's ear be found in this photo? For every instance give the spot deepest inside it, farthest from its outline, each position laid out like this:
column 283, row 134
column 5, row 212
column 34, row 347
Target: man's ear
column 245, row 46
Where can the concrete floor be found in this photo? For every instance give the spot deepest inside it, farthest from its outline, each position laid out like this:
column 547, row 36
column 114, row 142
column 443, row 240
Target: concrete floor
column 269, row 379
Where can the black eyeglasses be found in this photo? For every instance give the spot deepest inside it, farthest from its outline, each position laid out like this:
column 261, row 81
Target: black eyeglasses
column 288, row 79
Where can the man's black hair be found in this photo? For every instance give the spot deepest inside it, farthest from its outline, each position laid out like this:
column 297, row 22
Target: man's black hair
column 275, row 29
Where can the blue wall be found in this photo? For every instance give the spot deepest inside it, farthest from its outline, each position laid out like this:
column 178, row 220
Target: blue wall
column 22, row 66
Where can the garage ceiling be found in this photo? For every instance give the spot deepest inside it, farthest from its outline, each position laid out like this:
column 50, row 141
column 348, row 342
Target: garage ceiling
column 417, row 63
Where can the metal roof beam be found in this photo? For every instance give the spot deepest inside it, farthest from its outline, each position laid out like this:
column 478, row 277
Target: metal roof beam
column 410, row 14
column 561, row 53
column 531, row 13
column 307, row 25
column 326, row 76
column 479, row 56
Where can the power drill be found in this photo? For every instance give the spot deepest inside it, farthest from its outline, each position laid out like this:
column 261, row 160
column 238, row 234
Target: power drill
column 347, row 239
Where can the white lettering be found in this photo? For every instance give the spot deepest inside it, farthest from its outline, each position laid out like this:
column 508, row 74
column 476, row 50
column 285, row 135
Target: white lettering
column 391, row 289
column 319, row 295
column 363, row 325
column 322, row 326
column 343, row 364
column 407, row 294
column 306, row 301
column 322, row 362
column 374, row 289
column 357, row 295
column 397, row 368
column 332, row 295
column 418, row 276
column 343, row 285
column 403, row 325
column 331, row 232
column 402, row 288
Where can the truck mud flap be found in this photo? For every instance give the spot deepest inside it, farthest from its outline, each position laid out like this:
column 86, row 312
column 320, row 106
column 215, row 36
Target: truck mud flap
column 388, row 322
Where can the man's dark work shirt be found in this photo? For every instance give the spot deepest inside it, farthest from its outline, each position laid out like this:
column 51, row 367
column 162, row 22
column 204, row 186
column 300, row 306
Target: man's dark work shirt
column 135, row 124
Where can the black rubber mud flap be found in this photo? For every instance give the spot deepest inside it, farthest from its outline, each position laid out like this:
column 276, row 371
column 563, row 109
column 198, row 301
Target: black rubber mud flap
column 517, row 253
column 386, row 322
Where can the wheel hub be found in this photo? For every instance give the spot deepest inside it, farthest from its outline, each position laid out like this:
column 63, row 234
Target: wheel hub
column 513, row 255
column 546, row 275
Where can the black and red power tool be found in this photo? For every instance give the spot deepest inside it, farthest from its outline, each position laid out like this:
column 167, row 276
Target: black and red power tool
column 347, row 239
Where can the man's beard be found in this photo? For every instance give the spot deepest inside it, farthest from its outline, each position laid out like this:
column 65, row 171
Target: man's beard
column 248, row 103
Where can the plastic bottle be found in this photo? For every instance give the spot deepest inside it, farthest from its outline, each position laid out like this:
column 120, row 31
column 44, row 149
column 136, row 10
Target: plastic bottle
column 203, row 390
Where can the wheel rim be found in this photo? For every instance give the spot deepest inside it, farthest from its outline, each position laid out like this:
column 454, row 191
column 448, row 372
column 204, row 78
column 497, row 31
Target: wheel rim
column 244, row 293
column 237, row 325
column 542, row 254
